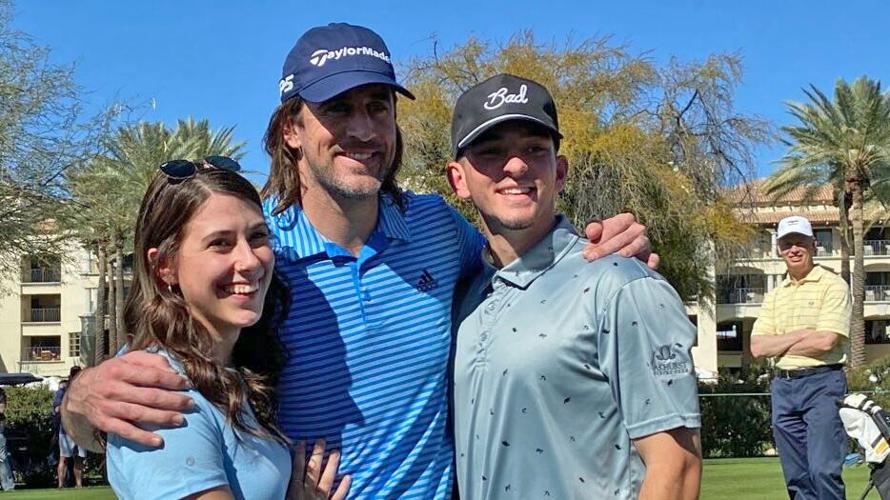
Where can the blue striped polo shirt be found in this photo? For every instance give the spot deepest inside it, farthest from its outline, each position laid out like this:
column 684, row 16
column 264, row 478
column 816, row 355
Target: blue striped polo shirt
column 368, row 340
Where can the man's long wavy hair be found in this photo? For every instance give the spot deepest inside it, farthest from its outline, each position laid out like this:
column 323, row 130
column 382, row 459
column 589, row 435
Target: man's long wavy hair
column 284, row 175
column 158, row 315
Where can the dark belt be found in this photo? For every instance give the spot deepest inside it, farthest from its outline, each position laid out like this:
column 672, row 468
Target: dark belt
column 803, row 372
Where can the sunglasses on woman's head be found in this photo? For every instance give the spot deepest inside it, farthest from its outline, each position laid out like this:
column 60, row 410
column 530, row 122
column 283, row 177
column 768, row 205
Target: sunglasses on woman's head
column 181, row 170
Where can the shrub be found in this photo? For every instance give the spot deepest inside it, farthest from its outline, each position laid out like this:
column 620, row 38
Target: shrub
column 30, row 438
column 29, row 433
column 735, row 426
column 873, row 379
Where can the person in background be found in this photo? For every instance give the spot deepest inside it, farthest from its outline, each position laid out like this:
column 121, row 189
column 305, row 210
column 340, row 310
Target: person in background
column 804, row 328
column 68, row 449
column 7, row 482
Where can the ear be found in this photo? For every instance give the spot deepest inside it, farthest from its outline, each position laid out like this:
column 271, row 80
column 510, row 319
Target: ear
column 164, row 270
column 292, row 134
column 457, row 178
column 562, row 172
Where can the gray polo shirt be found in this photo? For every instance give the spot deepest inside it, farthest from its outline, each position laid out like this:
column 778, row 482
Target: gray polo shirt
column 559, row 364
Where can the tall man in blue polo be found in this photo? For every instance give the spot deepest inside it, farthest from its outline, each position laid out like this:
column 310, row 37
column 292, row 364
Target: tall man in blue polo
column 371, row 269
column 803, row 327
column 571, row 380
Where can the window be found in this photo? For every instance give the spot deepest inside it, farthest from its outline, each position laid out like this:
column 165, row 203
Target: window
column 44, row 308
column 741, row 288
column 877, row 331
column 44, row 349
column 729, row 336
column 74, row 344
column 823, row 239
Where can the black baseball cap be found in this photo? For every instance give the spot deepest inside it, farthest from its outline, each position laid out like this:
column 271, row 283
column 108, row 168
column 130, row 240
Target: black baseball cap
column 500, row 98
column 329, row 60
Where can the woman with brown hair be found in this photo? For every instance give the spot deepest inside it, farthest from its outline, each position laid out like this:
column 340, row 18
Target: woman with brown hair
column 205, row 296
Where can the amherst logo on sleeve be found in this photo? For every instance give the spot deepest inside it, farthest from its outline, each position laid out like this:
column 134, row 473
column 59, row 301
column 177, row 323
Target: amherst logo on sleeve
column 668, row 360
column 321, row 56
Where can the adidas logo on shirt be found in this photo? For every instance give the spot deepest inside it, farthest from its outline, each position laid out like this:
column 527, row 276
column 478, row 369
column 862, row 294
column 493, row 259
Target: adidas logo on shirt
column 426, row 282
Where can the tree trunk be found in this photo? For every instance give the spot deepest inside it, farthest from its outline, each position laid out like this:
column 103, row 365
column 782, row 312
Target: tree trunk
column 119, row 294
column 99, row 329
column 112, row 310
column 857, row 320
column 844, row 220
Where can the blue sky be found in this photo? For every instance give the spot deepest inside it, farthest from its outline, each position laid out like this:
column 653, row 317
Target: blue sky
column 221, row 60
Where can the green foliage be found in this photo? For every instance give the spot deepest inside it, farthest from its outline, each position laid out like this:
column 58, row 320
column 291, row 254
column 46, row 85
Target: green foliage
column 873, row 378
column 29, row 416
column 43, row 132
column 660, row 142
column 735, row 426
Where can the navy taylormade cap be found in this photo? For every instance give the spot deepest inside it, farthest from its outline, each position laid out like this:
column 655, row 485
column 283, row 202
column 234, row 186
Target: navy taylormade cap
column 500, row 98
column 329, row 60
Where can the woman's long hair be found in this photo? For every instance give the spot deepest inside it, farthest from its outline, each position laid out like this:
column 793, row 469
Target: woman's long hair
column 284, row 175
column 157, row 315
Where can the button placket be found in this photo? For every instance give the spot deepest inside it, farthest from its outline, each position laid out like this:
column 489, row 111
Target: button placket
column 489, row 316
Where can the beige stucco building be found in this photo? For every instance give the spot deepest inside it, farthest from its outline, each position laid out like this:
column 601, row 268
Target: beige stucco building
column 725, row 326
column 42, row 311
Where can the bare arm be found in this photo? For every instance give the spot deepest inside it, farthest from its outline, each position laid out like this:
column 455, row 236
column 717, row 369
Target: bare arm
column 814, row 343
column 673, row 464
column 113, row 396
column 770, row 346
column 619, row 234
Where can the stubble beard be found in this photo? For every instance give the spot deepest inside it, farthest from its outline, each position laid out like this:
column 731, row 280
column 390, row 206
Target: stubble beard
column 326, row 177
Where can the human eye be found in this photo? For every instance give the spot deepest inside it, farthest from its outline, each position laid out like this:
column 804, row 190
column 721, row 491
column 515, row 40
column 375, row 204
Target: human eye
column 259, row 237
column 489, row 151
column 378, row 106
column 336, row 108
column 538, row 147
column 219, row 244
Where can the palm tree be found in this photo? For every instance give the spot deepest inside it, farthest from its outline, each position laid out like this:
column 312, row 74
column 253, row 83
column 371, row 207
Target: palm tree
column 85, row 215
column 845, row 143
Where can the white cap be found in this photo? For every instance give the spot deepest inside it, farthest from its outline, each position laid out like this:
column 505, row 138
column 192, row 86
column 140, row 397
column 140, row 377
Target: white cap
column 794, row 224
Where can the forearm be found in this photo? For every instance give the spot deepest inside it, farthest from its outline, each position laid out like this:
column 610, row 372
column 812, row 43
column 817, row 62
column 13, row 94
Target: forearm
column 673, row 465
column 813, row 342
column 672, row 482
column 770, row 346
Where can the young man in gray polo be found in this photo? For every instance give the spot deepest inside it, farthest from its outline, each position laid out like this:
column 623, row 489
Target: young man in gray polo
column 571, row 380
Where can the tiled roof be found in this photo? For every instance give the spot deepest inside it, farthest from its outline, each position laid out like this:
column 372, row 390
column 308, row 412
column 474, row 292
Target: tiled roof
column 753, row 193
column 817, row 217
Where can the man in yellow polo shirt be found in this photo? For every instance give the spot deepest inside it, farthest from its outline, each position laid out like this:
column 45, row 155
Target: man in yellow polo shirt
column 804, row 328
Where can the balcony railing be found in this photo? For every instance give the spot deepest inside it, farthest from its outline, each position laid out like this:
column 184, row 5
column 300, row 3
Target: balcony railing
column 876, row 247
column 46, row 314
column 740, row 296
column 51, row 353
column 42, row 275
column 877, row 293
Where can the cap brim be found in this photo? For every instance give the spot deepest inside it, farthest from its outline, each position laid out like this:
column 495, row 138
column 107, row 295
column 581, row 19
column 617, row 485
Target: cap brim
column 336, row 84
column 482, row 127
column 789, row 233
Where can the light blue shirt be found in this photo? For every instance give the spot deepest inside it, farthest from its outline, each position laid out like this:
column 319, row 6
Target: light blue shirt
column 559, row 365
column 369, row 339
column 204, row 453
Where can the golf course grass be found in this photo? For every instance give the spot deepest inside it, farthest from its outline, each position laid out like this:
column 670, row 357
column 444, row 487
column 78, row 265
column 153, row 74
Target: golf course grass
column 730, row 478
